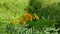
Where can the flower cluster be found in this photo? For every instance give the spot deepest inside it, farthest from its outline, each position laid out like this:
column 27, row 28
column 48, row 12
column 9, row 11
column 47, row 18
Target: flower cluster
column 28, row 18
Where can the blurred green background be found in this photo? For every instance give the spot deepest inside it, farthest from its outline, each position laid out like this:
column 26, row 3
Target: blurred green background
column 46, row 9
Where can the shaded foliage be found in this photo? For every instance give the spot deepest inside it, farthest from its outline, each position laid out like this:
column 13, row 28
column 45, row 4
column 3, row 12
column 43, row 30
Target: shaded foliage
column 50, row 12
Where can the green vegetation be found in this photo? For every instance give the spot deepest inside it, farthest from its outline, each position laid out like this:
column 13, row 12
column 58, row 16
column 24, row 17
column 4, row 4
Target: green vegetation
column 29, row 16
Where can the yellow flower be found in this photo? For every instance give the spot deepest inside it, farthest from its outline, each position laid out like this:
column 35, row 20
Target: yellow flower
column 36, row 17
column 28, row 16
column 13, row 21
column 24, row 23
column 21, row 20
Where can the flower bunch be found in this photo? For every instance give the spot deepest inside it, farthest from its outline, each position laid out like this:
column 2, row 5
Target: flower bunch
column 28, row 18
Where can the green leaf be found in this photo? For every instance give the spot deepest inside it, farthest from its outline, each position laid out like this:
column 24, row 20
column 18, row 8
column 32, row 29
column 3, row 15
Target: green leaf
column 31, row 24
column 41, row 23
column 50, row 23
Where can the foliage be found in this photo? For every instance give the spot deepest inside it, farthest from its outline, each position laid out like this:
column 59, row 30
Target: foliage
column 29, row 16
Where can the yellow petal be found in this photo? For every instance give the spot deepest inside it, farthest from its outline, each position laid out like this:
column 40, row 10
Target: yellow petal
column 28, row 17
